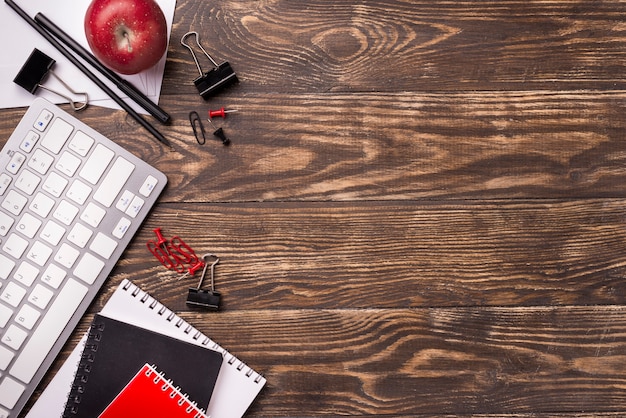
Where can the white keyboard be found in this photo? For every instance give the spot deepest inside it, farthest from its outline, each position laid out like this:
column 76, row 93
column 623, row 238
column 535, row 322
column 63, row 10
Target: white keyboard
column 70, row 202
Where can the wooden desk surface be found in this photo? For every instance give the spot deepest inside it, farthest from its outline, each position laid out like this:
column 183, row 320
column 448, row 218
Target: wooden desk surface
column 423, row 209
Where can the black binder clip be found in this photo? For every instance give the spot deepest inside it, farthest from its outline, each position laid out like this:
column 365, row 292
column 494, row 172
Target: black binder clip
column 209, row 299
column 32, row 74
column 214, row 80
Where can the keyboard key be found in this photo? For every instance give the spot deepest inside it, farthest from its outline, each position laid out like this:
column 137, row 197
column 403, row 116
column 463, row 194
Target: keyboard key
column 10, row 392
column 6, row 266
column 135, row 207
column 13, row 294
column 96, row 164
column 14, row 202
column 15, row 246
column 114, row 182
column 55, row 184
column 78, row 192
column 52, row 233
column 124, row 201
column 27, row 182
column 27, row 316
column 28, row 225
column 5, row 223
column 57, row 136
column 5, row 182
column 40, row 296
column 41, row 161
column 14, row 337
column 68, row 164
column 16, row 163
column 79, row 235
column 53, row 276
column 81, row 143
column 42, row 121
column 103, row 245
column 29, row 141
column 26, row 273
column 6, row 356
column 41, row 205
column 92, row 215
column 148, row 186
column 121, row 228
column 46, row 334
column 66, row 256
column 39, row 253
column 65, row 212
column 88, row 268
column 5, row 315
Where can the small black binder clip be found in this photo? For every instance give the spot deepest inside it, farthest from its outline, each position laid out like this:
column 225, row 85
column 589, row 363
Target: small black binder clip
column 214, row 80
column 32, row 74
column 209, row 299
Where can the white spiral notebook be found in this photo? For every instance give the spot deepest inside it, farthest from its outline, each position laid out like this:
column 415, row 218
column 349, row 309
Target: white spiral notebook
column 237, row 384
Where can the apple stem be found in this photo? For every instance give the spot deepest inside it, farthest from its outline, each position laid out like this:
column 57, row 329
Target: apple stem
column 130, row 46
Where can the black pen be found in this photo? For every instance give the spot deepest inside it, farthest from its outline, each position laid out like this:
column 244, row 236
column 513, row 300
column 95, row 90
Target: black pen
column 132, row 92
column 158, row 135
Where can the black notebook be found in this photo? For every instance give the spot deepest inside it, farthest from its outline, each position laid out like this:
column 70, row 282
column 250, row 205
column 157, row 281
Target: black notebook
column 115, row 350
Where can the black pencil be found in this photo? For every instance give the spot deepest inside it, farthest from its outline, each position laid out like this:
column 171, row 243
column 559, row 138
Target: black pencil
column 158, row 135
column 132, row 92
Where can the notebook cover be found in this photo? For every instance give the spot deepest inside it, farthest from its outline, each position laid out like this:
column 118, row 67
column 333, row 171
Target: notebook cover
column 150, row 394
column 115, row 350
column 237, row 384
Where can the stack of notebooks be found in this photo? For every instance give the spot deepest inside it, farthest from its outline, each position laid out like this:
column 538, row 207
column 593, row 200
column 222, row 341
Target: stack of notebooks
column 141, row 359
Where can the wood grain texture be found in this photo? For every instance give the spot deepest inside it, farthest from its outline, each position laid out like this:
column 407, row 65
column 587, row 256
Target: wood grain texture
column 390, row 255
column 430, row 362
column 436, row 361
column 422, row 212
column 392, row 45
column 359, row 147
column 362, row 147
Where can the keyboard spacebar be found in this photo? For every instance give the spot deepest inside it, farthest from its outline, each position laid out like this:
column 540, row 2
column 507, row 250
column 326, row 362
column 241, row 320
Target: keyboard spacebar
column 48, row 331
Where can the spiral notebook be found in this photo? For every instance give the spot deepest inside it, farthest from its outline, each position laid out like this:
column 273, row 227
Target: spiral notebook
column 237, row 384
column 115, row 350
column 149, row 394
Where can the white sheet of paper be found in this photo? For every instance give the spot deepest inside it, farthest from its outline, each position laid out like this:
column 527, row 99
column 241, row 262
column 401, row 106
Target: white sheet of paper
column 19, row 39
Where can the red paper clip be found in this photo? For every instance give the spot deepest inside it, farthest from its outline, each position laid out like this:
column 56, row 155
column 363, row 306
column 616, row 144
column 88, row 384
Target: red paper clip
column 174, row 254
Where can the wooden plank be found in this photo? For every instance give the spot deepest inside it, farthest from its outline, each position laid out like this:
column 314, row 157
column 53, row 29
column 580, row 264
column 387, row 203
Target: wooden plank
column 411, row 362
column 388, row 146
column 394, row 254
column 430, row 361
column 410, row 146
column 421, row 146
column 490, row 361
column 392, row 45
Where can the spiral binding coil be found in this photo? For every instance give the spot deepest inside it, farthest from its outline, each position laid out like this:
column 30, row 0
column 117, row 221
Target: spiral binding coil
column 175, row 393
column 82, row 372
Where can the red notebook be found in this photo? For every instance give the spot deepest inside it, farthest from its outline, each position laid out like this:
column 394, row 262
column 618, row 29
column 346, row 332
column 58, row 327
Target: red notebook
column 149, row 394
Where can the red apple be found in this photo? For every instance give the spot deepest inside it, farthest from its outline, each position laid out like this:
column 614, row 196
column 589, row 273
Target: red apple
column 128, row 36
